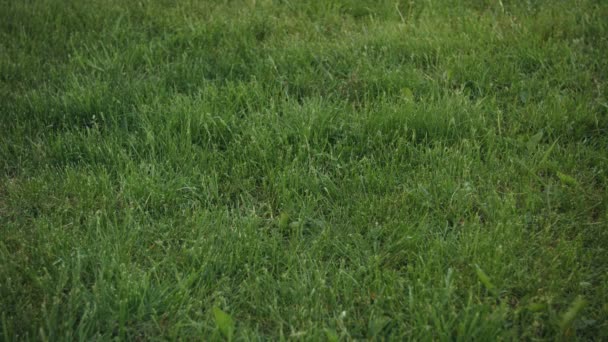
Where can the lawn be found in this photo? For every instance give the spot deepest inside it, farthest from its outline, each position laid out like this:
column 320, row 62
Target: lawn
column 303, row 169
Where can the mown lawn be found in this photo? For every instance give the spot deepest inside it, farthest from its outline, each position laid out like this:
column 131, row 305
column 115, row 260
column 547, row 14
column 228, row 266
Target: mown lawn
column 303, row 169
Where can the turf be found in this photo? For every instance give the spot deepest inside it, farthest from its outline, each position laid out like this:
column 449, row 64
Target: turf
column 315, row 170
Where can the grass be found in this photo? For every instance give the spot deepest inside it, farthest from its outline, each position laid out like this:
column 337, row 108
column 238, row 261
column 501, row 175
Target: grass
column 315, row 170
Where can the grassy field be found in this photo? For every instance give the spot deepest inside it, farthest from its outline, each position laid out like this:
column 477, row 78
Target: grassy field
column 315, row 170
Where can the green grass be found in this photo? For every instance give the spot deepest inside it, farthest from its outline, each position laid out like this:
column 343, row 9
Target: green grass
column 316, row 170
